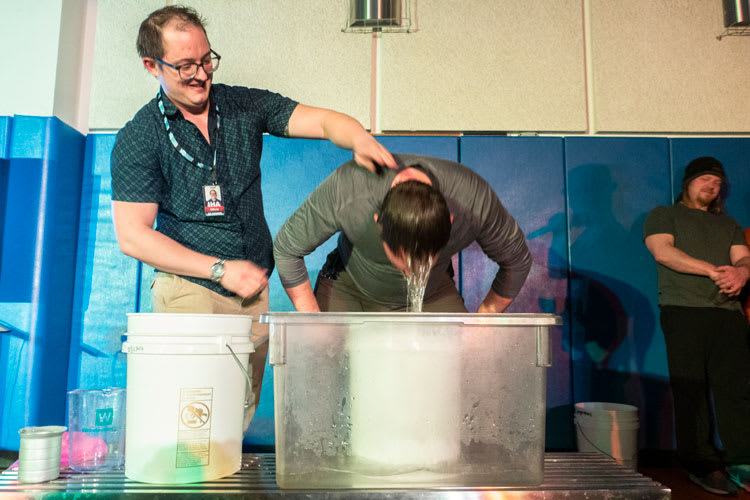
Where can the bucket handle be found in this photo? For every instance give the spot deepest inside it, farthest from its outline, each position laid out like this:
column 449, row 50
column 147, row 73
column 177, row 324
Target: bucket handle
column 578, row 425
column 244, row 373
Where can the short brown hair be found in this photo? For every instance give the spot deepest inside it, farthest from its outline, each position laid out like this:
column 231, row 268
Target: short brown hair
column 415, row 218
column 149, row 42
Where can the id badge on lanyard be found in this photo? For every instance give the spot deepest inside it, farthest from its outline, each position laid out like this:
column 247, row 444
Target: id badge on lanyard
column 212, row 200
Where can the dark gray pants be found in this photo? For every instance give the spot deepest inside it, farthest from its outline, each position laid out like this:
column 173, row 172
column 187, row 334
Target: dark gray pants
column 342, row 295
column 709, row 354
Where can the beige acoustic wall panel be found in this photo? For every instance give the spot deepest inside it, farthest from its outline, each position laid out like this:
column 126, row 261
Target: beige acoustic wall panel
column 659, row 68
column 487, row 65
column 292, row 47
column 120, row 84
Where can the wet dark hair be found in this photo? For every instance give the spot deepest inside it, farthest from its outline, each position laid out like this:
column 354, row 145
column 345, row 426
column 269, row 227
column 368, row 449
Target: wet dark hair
column 414, row 217
column 149, row 42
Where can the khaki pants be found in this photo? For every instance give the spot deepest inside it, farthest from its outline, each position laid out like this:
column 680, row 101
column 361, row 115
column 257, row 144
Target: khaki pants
column 173, row 294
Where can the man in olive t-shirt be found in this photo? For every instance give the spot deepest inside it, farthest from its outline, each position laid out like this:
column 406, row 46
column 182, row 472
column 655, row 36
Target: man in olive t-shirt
column 702, row 266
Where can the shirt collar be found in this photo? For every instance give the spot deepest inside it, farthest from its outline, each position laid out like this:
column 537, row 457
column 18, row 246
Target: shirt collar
column 171, row 110
column 417, row 165
column 682, row 206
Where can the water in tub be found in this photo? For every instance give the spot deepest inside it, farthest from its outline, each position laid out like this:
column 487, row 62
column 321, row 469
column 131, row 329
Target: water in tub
column 404, row 383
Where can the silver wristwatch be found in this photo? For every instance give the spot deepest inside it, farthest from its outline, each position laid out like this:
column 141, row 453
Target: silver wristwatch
column 217, row 271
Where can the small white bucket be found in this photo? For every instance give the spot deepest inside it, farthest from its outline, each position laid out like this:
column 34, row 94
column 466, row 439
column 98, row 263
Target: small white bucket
column 184, row 417
column 610, row 429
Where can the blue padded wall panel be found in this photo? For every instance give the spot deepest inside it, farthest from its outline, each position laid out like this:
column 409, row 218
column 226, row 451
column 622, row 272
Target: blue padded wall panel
column 527, row 175
column 6, row 129
column 37, row 265
column 144, row 303
column 29, row 137
column 618, row 351
column 24, row 179
column 733, row 153
column 106, row 280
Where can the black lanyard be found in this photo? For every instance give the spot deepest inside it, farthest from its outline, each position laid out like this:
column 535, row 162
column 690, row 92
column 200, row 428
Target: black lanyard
column 180, row 150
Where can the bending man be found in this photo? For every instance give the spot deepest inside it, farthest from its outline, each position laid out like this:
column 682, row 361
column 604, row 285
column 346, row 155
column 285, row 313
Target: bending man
column 393, row 224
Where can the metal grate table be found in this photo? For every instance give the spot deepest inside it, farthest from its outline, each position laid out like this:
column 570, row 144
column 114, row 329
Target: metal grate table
column 566, row 475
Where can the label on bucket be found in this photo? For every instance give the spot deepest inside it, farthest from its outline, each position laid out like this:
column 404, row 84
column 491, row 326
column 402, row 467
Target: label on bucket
column 194, row 428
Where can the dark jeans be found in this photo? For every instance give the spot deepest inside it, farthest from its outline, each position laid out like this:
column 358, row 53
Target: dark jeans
column 709, row 354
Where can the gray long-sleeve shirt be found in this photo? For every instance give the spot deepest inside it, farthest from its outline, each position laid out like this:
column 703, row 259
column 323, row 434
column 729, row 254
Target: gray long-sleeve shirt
column 346, row 202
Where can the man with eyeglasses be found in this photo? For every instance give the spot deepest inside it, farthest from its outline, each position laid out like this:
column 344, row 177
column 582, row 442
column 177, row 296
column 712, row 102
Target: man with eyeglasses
column 195, row 136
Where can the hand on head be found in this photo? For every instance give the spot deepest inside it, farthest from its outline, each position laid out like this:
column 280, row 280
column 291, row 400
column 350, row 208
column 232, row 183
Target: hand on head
column 370, row 154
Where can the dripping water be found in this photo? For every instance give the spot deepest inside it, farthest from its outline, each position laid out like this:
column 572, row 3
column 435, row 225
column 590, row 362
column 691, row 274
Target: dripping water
column 416, row 282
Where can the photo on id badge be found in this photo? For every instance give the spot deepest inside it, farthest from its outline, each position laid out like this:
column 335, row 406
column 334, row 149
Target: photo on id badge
column 212, row 201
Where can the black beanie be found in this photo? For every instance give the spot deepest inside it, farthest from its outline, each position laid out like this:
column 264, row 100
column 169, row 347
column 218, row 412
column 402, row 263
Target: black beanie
column 701, row 166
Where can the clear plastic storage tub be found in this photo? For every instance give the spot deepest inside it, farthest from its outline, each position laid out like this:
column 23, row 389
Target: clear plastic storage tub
column 402, row 400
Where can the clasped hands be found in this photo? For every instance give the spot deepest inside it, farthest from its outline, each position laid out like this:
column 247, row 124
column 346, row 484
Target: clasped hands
column 730, row 279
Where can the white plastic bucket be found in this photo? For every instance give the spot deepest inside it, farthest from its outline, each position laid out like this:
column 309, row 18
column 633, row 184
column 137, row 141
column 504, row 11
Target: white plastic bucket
column 610, row 429
column 184, row 417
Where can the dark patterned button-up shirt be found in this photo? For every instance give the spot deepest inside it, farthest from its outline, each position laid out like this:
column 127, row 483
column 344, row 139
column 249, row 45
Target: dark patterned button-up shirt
column 147, row 168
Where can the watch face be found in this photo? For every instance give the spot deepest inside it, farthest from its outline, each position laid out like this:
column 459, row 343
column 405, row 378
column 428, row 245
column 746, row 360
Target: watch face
column 217, row 271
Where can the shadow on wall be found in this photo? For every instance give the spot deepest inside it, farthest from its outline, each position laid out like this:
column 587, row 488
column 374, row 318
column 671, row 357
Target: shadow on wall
column 612, row 321
column 546, row 291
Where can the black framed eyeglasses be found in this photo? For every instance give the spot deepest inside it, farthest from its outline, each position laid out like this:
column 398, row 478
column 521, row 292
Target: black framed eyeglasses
column 188, row 71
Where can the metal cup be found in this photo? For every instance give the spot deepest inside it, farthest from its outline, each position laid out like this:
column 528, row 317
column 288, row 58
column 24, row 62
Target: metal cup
column 39, row 453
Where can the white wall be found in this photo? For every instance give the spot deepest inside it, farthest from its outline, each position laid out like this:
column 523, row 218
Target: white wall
column 29, row 32
column 508, row 65
column 658, row 67
column 549, row 66
column 48, row 45
column 120, row 84
column 289, row 46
